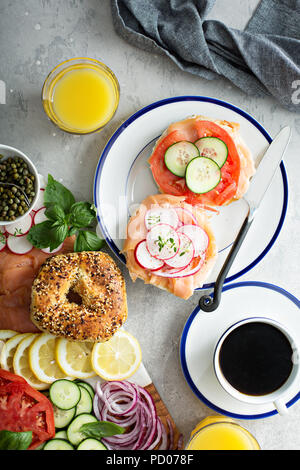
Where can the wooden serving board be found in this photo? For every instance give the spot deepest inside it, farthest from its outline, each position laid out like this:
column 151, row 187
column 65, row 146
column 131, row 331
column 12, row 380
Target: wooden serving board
column 142, row 378
column 165, row 417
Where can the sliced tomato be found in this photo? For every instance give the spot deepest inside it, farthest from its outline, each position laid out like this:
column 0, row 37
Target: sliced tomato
column 7, row 377
column 171, row 184
column 22, row 408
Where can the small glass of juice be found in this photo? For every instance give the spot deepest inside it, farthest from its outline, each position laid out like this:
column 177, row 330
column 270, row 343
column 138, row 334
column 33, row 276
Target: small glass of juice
column 81, row 95
column 221, row 433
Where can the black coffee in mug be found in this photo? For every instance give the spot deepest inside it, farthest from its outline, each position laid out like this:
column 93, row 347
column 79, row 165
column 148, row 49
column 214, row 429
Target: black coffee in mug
column 256, row 358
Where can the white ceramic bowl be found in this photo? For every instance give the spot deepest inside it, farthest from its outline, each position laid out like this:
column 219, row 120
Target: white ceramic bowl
column 7, row 151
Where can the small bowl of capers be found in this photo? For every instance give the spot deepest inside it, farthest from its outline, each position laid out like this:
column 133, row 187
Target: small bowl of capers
column 19, row 185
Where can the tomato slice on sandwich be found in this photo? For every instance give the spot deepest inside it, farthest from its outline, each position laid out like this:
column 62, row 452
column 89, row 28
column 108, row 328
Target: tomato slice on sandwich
column 172, row 184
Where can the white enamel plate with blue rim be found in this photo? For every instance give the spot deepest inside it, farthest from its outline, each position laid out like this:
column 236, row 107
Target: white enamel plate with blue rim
column 123, row 179
column 203, row 330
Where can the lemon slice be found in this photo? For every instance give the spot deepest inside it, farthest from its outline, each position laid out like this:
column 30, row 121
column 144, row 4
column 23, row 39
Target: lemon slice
column 6, row 334
column 74, row 358
column 42, row 359
column 8, row 351
column 118, row 358
column 21, row 363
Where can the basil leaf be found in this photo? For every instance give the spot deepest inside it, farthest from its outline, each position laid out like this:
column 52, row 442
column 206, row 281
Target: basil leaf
column 88, row 241
column 10, row 440
column 57, row 193
column 55, row 212
column 82, row 214
column 72, row 231
column 58, row 234
column 48, row 234
column 40, row 235
column 101, row 429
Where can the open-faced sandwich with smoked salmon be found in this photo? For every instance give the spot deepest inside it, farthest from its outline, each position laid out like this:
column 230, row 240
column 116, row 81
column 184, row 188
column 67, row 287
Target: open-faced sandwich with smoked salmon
column 203, row 160
column 170, row 245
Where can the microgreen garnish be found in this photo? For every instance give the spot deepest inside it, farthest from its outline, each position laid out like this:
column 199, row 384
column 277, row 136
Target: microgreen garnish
column 65, row 218
column 17, row 232
column 162, row 243
column 153, row 219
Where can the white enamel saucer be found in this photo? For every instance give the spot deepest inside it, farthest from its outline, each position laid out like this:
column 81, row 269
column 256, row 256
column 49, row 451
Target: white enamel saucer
column 123, row 179
column 202, row 331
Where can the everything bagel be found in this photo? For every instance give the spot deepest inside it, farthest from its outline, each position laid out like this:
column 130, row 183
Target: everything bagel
column 79, row 296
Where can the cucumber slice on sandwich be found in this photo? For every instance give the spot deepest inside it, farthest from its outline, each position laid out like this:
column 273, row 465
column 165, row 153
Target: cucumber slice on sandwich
column 178, row 155
column 202, row 175
column 214, row 148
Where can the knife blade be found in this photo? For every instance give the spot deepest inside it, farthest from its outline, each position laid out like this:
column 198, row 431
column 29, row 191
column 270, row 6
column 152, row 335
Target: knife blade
column 259, row 185
column 267, row 169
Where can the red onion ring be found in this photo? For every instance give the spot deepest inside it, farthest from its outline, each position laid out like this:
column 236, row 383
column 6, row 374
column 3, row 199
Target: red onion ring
column 132, row 407
column 171, row 432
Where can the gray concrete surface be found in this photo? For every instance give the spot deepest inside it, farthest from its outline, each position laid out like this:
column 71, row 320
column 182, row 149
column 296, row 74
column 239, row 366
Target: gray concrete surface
column 35, row 35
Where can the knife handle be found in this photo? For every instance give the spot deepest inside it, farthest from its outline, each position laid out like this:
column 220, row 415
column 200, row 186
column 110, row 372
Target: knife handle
column 209, row 303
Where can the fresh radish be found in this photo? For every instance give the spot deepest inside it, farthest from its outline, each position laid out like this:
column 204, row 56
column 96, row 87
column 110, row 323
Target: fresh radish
column 162, row 241
column 47, row 250
column 40, row 201
column 161, row 215
column 42, row 181
column 144, row 259
column 20, row 228
column 186, row 217
column 188, row 271
column 40, row 216
column 198, row 236
column 184, row 255
column 19, row 245
column 2, row 238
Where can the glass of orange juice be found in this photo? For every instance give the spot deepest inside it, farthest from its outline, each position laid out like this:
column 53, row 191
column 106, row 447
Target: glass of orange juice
column 81, row 95
column 221, row 433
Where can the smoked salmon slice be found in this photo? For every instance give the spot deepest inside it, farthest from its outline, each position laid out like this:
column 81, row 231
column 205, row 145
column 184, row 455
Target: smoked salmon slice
column 17, row 273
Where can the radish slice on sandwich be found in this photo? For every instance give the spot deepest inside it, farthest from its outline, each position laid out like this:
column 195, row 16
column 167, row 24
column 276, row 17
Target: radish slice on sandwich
column 144, row 259
column 185, row 216
column 193, row 268
column 198, row 236
column 161, row 215
column 185, row 253
column 162, row 241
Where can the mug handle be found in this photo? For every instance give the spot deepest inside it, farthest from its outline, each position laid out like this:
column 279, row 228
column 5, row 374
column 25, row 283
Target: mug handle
column 281, row 407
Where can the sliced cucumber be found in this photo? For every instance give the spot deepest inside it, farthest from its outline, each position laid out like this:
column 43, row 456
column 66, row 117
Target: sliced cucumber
column 85, row 404
column 202, row 175
column 40, row 447
column 61, row 435
column 64, row 394
column 63, row 418
column 214, row 148
column 58, row 444
column 88, row 387
column 178, row 155
column 73, row 431
column 91, row 444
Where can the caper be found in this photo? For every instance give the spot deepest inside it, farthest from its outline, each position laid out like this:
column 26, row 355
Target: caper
column 15, row 200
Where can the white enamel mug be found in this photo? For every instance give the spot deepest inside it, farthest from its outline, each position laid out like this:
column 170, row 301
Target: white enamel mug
column 276, row 397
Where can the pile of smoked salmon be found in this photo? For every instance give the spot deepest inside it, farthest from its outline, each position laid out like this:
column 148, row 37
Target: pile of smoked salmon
column 17, row 273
